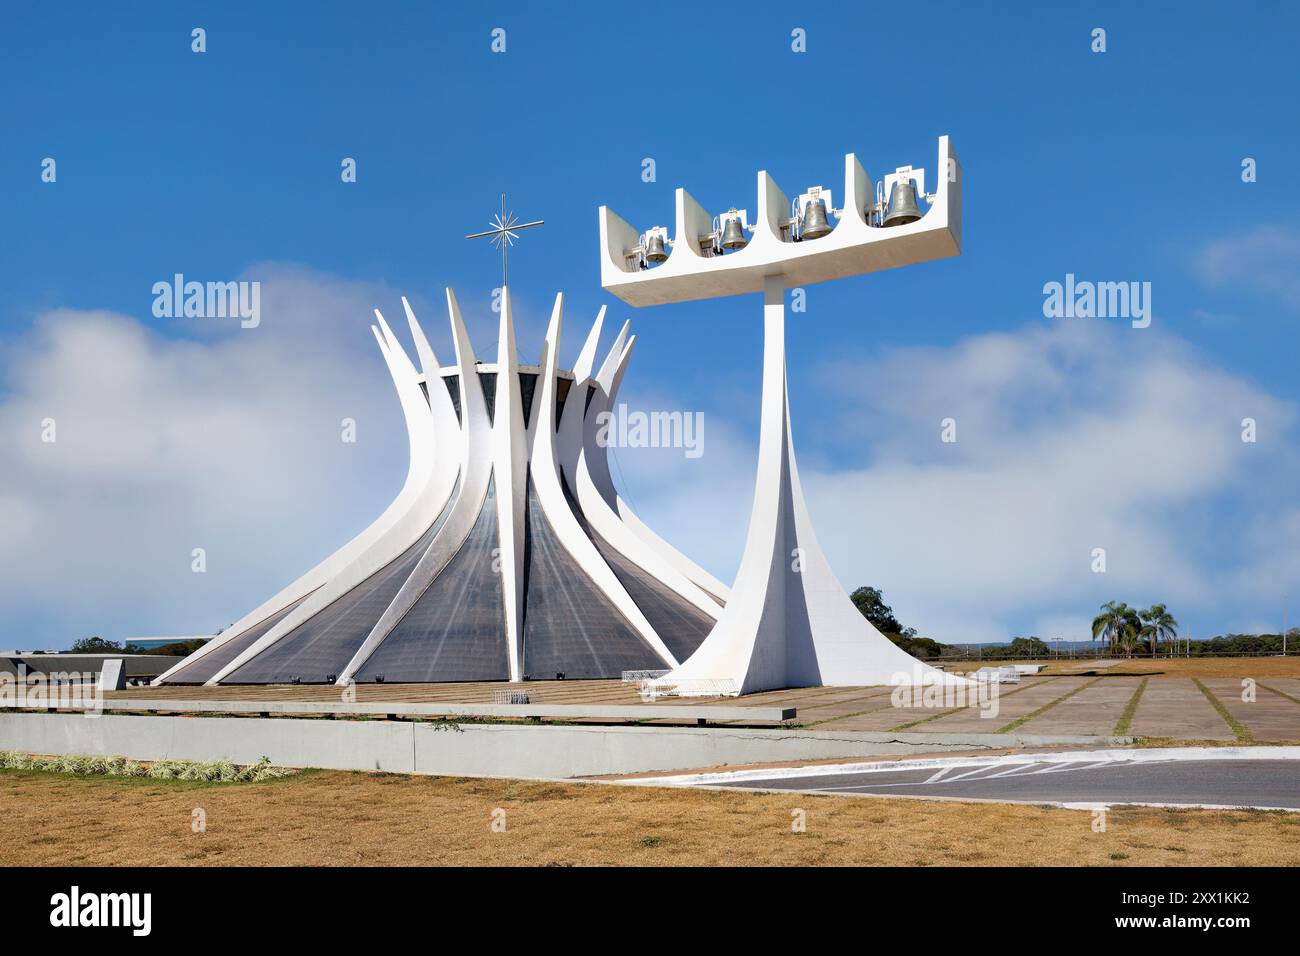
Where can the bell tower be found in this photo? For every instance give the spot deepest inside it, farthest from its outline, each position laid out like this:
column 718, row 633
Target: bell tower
column 788, row 621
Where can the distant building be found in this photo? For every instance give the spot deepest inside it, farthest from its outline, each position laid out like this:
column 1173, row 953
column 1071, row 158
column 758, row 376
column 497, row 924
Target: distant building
column 153, row 643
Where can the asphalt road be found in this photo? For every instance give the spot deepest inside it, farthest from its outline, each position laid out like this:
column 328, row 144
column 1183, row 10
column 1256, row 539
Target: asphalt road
column 1254, row 783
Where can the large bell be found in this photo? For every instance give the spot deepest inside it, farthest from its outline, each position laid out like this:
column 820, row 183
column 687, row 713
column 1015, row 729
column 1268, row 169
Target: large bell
column 654, row 249
column 814, row 224
column 902, row 204
column 733, row 235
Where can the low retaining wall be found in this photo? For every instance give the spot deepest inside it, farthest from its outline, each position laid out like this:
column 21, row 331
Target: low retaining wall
column 490, row 750
column 135, row 665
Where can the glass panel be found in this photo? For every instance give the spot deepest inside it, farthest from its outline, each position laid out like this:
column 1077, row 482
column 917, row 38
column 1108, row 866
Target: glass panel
column 570, row 627
column 206, row 667
column 453, row 389
column 679, row 623
column 321, row 646
column 562, row 386
column 457, row 629
column 489, row 382
column 527, row 386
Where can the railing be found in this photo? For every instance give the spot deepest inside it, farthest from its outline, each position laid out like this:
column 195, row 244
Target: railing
column 1085, row 654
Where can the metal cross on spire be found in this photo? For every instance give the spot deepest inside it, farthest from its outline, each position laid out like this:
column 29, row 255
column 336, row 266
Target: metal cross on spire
column 504, row 232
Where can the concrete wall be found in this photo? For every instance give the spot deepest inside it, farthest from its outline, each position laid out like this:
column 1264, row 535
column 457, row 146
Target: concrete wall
column 501, row 750
column 137, row 665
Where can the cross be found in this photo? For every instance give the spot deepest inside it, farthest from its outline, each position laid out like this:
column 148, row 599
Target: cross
column 504, row 232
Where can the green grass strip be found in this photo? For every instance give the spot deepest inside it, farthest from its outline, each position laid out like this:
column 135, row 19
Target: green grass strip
column 860, row 713
column 1236, row 726
column 949, row 713
column 1021, row 721
column 1280, row 693
column 1125, row 722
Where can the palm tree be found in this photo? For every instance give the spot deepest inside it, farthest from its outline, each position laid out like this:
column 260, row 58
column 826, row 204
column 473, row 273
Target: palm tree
column 1109, row 622
column 1118, row 624
column 1157, row 625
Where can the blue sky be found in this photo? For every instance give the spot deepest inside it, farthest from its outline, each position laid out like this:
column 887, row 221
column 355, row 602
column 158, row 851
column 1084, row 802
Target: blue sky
column 1114, row 166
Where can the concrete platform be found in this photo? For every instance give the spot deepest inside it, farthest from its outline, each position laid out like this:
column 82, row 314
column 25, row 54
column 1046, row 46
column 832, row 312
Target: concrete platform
column 1096, row 709
column 1176, row 707
column 1269, row 717
column 1013, row 703
column 1170, row 707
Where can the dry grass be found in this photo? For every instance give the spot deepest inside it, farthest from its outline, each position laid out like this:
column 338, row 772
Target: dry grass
column 330, row 818
column 1260, row 668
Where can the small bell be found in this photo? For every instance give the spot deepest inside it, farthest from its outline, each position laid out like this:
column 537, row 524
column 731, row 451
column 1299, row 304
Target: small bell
column 902, row 204
column 654, row 249
column 733, row 234
column 814, row 224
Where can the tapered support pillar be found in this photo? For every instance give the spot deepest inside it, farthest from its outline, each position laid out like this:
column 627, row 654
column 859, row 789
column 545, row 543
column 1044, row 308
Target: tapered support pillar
column 788, row 622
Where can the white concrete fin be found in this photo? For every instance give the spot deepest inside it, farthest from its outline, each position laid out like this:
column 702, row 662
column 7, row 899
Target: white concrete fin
column 510, row 465
column 428, row 360
column 309, row 586
column 546, row 481
column 615, row 355
column 600, row 509
column 410, row 514
column 587, row 357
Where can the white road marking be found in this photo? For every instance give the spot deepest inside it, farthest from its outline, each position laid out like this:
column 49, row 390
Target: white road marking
column 1096, row 758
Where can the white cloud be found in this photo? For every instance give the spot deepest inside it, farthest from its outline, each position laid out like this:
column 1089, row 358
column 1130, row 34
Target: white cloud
column 1071, row 436
column 228, row 442
column 1267, row 259
column 226, row 439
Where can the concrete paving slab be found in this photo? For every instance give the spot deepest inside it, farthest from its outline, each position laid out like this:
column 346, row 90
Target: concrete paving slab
column 1094, row 710
column 1269, row 717
column 1034, row 693
column 845, row 706
column 1287, row 685
column 1175, row 707
column 884, row 716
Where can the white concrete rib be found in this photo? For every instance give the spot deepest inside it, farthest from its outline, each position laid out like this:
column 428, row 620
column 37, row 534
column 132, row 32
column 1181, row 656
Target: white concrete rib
column 423, row 459
column 476, row 471
column 596, row 461
column 421, row 500
column 452, row 461
column 580, row 441
column 510, row 467
column 546, row 481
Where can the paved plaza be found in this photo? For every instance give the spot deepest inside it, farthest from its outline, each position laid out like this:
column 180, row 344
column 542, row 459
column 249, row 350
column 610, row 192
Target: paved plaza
column 1103, row 702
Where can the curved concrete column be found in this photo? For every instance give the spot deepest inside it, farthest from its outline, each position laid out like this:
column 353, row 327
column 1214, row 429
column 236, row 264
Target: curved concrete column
column 596, row 460
column 546, row 480
column 456, row 455
column 789, row 623
column 510, row 466
column 604, row 518
column 428, row 495
column 476, row 473
column 421, row 473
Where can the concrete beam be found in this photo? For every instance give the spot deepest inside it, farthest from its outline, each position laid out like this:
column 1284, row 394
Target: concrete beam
column 620, row 712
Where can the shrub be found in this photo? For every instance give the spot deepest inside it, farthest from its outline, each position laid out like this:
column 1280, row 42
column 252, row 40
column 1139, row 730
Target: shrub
column 210, row 771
